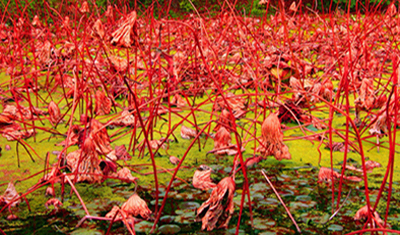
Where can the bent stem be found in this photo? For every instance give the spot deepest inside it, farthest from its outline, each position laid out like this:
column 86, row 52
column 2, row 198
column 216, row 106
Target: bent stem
column 340, row 207
column 77, row 194
column 280, row 199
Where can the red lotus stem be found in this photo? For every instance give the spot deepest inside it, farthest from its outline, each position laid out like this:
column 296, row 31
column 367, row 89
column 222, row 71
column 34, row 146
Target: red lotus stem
column 77, row 194
column 280, row 199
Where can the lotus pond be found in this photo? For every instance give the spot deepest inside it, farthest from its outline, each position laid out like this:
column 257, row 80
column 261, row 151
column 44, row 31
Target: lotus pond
column 170, row 73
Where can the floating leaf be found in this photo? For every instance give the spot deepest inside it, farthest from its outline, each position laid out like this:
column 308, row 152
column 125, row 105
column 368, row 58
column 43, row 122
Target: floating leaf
column 169, row 229
column 167, row 219
column 335, row 227
column 189, row 205
column 143, row 226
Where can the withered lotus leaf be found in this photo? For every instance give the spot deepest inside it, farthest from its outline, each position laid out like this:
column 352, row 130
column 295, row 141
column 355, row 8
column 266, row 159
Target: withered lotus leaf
column 85, row 163
column 379, row 127
column 202, row 178
column 126, row 34
column 53, row 202
column 225, row 120
column 179, row 101
column 119, row 64
column 218, row 209
column 116, row 213
column 328, row 175
column 174, row 160
column 222, row 138
column 103, row 103
column 125, row 119
column 121, row 153
column 188, row 133
column 101, row 139
column 10, row 196
column 85, row 7
column 54, row 113
column 125, row 175
column 272, row 139
column 233, row 101
column 16, row 132
column 36, row 21
column 136, row 206
column 363, row 214
column 98, row 29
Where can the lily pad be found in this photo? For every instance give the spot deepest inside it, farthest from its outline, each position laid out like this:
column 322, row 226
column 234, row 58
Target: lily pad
column 271, row 201
column 335, row 227
column 259, row 187
column 268, row 233
column 294, row 206
column 317, row 218
column 85, row 231
column 143, row 227
column 233, row 231
column 189, row 205
column 167, row 219
column 185, row 218
column 303, row 198
column 262, row 224
column 169, row 229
